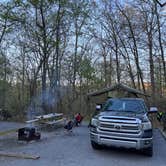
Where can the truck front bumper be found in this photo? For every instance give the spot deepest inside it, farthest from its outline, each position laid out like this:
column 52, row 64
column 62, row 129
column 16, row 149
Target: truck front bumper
column 126, row 142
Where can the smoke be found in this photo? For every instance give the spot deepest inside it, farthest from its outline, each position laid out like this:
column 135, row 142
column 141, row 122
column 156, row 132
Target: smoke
column 45, row 102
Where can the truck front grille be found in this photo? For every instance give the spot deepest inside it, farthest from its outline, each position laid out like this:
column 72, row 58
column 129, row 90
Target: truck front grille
column 123, row 126
column 119, row 126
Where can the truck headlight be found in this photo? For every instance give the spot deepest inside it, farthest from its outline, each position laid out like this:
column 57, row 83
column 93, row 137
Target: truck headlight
column 146, row 125
column 94, row 122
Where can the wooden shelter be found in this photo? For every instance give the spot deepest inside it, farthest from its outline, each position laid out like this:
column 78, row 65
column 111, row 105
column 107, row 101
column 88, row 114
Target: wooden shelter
column 116, row 91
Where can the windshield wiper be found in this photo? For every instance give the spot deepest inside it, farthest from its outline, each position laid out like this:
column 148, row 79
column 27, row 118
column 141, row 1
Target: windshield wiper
column 110, row 110
column 134, row 112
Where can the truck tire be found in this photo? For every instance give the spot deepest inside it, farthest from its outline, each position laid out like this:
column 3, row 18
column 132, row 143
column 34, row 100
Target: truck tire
column 95, row 145
column 148, row 151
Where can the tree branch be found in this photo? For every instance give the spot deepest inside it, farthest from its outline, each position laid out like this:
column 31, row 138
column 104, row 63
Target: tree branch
column 161, row 4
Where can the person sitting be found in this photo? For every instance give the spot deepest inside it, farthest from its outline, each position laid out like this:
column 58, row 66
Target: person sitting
column 69, row 125
column 78, row 119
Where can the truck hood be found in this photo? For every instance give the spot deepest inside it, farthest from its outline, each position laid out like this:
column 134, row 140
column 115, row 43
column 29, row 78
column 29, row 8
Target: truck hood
column 140, row 116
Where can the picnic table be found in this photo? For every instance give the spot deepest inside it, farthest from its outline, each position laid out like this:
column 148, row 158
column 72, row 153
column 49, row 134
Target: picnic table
column 49, row 120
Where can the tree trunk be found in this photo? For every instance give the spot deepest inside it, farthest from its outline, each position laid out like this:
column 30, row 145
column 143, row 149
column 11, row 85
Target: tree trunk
column 160, row 43
column 151, row 63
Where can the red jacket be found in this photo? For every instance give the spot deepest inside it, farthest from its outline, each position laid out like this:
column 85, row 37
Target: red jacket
column 78, row 118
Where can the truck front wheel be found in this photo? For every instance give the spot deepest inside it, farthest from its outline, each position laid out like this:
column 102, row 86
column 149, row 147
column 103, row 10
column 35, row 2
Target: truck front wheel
column 148, row 151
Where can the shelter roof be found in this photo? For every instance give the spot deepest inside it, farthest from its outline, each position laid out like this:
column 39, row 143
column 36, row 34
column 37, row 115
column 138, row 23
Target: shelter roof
column 117, row 87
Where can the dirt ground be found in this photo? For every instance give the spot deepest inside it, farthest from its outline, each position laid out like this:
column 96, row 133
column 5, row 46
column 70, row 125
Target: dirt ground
column 9, row 141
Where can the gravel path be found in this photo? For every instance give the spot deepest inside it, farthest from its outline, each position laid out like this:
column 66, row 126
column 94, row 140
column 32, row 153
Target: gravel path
column 61, row 149
column 9, row 125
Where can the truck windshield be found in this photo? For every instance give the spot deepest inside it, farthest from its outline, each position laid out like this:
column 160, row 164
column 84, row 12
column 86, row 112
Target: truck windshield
column 135, row 106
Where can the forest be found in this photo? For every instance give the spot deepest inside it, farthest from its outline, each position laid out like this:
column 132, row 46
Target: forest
column 54, row 52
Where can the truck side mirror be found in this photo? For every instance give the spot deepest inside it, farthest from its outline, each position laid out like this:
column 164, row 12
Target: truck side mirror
column 153, row 110
column 98, row 107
